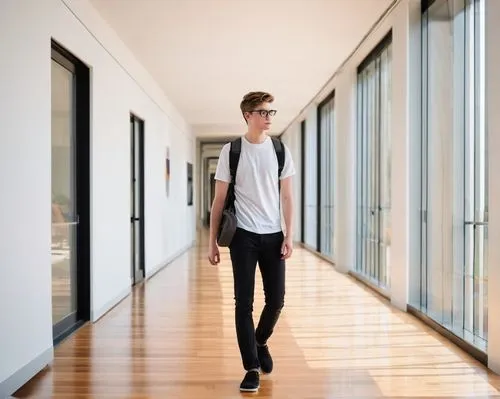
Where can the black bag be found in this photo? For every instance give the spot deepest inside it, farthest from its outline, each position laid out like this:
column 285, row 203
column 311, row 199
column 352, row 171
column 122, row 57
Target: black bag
column 228, row 223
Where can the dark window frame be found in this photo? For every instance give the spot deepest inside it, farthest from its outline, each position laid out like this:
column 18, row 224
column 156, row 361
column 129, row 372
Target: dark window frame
column 303, row 206
column 372, row 56
column 326, row 100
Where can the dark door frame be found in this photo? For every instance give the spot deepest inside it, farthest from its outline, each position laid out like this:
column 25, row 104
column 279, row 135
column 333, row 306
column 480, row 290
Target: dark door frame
column 81, row 79
column 207, row 183
column 137, row 221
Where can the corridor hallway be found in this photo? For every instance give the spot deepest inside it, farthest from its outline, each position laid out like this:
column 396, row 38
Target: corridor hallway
column 174, row 338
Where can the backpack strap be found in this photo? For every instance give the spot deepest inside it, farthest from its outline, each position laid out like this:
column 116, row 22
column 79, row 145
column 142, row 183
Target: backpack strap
column 280, row 154
column 234, row 158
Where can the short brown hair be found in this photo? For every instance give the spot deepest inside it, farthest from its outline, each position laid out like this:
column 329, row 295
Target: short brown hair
column 253, row 99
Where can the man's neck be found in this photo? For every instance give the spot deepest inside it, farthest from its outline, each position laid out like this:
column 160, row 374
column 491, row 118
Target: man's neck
column 256, row 136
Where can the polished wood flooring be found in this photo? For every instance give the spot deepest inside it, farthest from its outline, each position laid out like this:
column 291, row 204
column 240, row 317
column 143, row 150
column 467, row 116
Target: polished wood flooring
column 174, row 338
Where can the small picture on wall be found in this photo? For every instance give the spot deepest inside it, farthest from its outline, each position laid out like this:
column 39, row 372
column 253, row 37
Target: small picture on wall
column 167, row 172
column 189, row 184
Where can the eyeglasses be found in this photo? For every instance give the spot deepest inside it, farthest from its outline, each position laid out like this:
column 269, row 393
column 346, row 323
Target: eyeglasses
column 264, row 112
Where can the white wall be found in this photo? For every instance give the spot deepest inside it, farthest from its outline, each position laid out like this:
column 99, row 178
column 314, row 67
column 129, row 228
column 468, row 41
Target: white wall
column 119, row 85
column 404, row 20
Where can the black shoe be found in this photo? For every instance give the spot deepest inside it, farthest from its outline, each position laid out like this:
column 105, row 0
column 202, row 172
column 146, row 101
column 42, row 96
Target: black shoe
column 251, row 382
column 265, row 359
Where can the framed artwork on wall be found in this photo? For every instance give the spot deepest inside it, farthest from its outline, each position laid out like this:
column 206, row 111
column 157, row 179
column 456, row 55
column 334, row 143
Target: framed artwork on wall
column 167, row 172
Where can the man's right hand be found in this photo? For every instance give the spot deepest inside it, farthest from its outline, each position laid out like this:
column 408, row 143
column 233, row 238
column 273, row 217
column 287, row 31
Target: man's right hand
column 221, row 188
column 213, row 254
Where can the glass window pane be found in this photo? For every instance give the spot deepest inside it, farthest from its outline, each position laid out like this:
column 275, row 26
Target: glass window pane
column 327, row 134
column 374, row 168
column 454, row 196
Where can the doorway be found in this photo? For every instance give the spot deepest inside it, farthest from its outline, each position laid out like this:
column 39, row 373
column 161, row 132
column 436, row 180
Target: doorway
column 212, row 187
column 70, row 187
column 212, row 196
column 137, row 199
column 303, row 181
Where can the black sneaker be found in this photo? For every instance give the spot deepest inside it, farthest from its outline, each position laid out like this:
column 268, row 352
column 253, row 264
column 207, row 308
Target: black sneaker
column 251, row 382
column 265, row 359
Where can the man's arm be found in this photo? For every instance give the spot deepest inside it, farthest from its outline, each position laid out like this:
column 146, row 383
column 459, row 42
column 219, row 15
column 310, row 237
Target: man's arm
column 216, row 210
column 287, row 202
column 222, row 179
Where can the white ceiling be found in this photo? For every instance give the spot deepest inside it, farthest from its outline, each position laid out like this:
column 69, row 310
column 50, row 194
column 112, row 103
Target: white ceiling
column 206, row 54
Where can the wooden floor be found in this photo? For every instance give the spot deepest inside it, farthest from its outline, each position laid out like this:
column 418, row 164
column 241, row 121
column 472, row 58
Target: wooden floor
column 174, row 338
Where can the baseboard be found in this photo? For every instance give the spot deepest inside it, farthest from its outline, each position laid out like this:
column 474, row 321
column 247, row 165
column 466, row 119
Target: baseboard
column 162, row 265
column 314, row 251
column 476, row 353
column 26, row 373
column 98, row 314
column 370, row 284
column 494, row 366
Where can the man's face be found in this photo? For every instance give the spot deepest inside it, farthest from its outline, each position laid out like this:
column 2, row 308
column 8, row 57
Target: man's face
column 260, row 118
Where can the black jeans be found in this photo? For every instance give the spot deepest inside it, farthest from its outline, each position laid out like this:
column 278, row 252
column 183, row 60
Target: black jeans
column 246, row 250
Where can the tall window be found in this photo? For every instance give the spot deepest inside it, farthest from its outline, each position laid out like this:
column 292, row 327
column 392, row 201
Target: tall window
column 374, row 165
column 311, row 181
column 303, row 181
column 454, row 222
column 326, row 175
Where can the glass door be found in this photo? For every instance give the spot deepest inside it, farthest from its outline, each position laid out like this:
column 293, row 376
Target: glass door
column 137, row 198
column 70, row 189
column 64, row 199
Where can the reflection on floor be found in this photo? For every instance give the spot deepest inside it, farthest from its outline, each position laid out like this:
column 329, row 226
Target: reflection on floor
column 63, row 247
column 174, row 338
column 61, row 285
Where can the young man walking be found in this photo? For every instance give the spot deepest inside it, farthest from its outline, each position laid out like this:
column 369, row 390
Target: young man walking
column 259, row 186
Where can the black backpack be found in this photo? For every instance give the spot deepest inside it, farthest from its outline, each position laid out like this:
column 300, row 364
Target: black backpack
column 228, row 223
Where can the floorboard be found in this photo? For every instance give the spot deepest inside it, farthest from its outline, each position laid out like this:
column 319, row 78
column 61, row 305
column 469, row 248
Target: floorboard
column 174, row 337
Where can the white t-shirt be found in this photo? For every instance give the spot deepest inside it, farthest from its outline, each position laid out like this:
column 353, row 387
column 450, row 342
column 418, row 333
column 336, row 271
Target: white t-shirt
column 256, row 189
